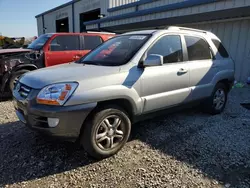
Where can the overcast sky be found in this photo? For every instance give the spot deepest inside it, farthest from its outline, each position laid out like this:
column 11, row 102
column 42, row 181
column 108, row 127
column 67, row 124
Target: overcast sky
column 17, row 17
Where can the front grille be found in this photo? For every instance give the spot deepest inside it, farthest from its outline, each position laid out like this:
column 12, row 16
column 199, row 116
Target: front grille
column 22, row 89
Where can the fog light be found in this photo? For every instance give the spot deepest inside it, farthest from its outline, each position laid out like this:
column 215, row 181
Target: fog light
column 53, row 122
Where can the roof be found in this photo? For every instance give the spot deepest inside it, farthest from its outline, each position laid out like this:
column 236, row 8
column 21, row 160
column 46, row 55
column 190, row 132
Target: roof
column 185, row 30
column 129, row 5
column 169, row 28
column 164, row 8
column 56, row 8
column 142, row 32
column 79, row 33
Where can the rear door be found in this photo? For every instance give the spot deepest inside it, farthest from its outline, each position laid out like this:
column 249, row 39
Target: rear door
column 202, row 65
column 63, row 49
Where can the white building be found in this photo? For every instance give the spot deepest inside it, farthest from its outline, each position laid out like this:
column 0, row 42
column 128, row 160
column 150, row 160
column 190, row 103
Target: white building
column 229, row 19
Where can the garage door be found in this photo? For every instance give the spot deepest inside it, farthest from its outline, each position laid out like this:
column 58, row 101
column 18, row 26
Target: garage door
column 235, row 35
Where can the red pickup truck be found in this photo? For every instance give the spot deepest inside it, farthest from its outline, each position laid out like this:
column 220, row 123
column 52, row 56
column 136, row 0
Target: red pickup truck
column 47, row 50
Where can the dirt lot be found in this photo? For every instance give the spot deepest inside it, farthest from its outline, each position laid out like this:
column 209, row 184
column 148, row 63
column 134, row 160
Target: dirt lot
column 185, row 149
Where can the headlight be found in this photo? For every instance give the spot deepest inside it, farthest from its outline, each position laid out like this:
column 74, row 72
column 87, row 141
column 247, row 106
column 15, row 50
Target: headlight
column 56, row 94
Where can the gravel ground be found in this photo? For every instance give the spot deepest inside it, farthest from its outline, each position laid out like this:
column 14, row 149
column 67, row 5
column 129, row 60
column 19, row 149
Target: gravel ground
column 185, row 149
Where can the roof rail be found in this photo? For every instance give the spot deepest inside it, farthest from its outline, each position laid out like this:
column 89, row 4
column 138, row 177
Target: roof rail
column 100, row 32
column 185, row 29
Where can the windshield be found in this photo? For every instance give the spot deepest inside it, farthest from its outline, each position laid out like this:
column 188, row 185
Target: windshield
column 39, row 42
column 116, row 51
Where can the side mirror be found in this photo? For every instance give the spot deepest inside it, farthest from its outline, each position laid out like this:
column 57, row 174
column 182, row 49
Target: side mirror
column 153, row 60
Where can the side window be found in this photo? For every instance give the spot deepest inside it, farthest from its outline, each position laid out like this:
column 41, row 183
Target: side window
column 169, row 47
column 91, row 42
column 198, row 49
column 222, row 50
column 65, row 43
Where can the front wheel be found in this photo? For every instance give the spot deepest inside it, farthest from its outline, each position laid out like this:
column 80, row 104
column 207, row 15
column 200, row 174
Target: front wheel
column 106, row 132
column 15, row 76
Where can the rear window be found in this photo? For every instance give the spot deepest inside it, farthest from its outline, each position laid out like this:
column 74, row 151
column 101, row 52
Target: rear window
column 222, row 50
column 91, row 42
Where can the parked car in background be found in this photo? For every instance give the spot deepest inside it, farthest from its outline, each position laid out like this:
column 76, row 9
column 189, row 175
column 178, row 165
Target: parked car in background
column 45, row 51
column 130, row 76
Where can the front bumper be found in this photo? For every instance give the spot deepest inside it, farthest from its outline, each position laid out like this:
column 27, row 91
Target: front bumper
column 35, row 116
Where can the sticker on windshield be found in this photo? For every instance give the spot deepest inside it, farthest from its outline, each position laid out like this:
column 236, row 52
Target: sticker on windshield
column 137, row 37
column 116, row 44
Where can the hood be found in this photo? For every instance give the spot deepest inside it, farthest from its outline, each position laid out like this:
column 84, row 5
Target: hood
column 65, row 73
column 10, row 58
column 14, row 50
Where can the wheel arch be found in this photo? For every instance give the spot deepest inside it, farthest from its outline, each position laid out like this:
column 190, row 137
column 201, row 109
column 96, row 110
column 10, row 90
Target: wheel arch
column 226, row 77
column 7, row 76
column 29, row 67
column 227, row 83
column 121, row 102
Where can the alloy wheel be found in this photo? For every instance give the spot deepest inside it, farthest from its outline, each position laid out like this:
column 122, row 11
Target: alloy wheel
column 219, row 99
column 110, row 133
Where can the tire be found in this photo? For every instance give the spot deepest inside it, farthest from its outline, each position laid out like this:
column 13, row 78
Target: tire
column 16, row 76
column 217, row 101
column 97, row 134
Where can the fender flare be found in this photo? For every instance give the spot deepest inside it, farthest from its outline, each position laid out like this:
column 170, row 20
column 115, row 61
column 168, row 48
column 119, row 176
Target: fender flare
column 24, row 66
column 7, row 75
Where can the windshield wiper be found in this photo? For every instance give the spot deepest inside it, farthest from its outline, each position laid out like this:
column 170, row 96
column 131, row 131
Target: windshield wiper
column 90, row 63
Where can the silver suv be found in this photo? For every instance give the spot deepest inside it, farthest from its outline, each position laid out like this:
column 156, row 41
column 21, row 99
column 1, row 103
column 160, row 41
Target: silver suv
column 98, row 97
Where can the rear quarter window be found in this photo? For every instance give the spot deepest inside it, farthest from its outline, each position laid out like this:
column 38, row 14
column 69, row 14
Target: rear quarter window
column 91, row 42
column 222, row 50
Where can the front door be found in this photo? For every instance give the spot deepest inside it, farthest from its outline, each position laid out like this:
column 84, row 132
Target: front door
column 202, row 66
column 63, row 49
column 167, row 85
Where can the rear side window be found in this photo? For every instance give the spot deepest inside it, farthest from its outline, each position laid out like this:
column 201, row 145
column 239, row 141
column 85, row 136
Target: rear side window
column 91, row 42
column 65, row 43
column 198, row 49
column 169, row 47
column 222, row 50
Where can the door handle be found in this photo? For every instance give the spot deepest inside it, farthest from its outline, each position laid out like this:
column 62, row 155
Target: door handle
column 182, row 71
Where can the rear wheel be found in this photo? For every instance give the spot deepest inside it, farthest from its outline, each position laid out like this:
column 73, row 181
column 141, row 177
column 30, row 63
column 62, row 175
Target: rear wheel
column 106, row 132
column 217, row 102
column 15, row 76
